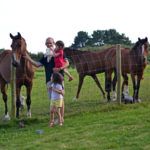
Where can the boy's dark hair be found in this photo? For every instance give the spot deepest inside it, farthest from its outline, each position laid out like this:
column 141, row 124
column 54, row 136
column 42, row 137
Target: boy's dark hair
column 60, row 44
column 57, row 78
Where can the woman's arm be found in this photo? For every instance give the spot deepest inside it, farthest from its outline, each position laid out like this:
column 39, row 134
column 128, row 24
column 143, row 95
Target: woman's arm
column 34, row 63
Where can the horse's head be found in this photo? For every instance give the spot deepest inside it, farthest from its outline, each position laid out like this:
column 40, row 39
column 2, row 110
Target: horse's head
column 18, row 48
column 140, row 50
column 144, row 44
column 68, row 52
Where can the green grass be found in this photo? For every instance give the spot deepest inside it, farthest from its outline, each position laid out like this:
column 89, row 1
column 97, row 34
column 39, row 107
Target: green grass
column 90, row 122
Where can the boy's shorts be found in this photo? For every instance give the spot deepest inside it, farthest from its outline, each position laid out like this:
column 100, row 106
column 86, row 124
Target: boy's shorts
column 56, row 103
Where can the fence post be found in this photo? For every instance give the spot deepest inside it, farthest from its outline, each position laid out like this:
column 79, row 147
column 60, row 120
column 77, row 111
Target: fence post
column 118, row 61
column 13, row 91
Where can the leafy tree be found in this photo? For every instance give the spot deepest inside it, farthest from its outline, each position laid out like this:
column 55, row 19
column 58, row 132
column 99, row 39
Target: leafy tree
column 81, row 39
column 37, row 56
column 111, row 36
column 2, row 49
column 99, row 38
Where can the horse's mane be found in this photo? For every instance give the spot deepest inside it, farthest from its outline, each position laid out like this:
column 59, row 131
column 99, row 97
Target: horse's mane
column 73, row 50
column 79, row 51
column 135, row 46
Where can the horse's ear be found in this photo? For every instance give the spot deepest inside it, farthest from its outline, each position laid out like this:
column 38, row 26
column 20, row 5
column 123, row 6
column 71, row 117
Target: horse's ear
column 11, row 36
column 139, row 39
column 146, row 38
column 19, row 35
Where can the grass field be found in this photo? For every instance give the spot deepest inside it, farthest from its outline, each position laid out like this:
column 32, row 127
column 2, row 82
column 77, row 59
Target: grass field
column 90, row 123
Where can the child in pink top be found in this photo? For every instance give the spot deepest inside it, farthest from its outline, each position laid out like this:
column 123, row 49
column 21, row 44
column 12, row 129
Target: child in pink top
column 59, row 58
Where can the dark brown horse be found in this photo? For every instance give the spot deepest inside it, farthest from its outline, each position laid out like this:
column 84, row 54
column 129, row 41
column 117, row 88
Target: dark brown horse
column 24, row 72
column 91, row 63
column 133, row 62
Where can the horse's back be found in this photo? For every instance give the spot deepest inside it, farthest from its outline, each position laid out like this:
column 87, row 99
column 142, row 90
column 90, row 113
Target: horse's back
column 5, row 65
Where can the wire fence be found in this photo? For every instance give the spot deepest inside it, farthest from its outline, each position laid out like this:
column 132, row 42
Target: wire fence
column 89, row 95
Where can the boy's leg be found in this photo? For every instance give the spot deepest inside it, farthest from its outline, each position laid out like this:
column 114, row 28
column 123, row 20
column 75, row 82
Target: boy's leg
column 68, row 74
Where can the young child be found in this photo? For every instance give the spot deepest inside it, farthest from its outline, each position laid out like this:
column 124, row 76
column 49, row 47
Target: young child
column 50, row 48
column 57, row 95
column 59, row 58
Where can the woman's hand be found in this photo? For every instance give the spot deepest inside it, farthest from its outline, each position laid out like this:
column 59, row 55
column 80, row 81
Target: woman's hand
column 57, row 69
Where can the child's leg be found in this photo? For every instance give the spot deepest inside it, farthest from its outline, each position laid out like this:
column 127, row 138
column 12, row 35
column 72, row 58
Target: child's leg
column 59, row 115
column 68, row 74
column 62, row 109
column 52, row 112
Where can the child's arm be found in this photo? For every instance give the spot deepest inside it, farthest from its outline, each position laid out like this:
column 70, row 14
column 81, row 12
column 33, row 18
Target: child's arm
column 58, row 91
column 57, row 54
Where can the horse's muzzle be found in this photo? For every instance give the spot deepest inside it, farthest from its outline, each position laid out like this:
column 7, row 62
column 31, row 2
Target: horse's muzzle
column 15, row 64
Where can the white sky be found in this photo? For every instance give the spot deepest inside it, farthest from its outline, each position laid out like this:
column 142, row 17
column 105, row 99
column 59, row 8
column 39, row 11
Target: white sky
column 63, row 19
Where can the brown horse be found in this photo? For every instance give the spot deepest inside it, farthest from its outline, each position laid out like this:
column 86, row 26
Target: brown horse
column 133, row 62
column 91, row 63
column 24, row 72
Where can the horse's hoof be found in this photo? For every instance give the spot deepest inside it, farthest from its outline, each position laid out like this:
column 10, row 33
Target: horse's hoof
column 29, row 114
column 138, row 100
column 114, row 96
column 21, row 124
column 74, row 99
column 6, row 117
column 114, row 99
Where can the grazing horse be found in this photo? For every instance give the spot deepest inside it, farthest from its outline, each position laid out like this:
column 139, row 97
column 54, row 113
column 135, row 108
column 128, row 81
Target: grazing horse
column 91, row 63
column 24, row 72
column 133, row 62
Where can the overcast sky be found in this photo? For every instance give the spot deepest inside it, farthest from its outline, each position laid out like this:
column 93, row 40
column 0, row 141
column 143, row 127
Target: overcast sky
column 63, row 19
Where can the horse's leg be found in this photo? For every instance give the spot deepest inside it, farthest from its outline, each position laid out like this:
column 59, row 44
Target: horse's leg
column 125, row 89
column 134, row 86
column 108, row 85
column 4, row 95
column 28, row 100
column 138, row 87
column 98, row 84
column 18, row 103
column 114, row 83
column 81, row 78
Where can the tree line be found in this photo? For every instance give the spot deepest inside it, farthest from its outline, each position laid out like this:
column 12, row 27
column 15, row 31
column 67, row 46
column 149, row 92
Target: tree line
column 100, row 38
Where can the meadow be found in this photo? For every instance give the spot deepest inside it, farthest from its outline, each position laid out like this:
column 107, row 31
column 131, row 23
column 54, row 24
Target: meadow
column 90, row 122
